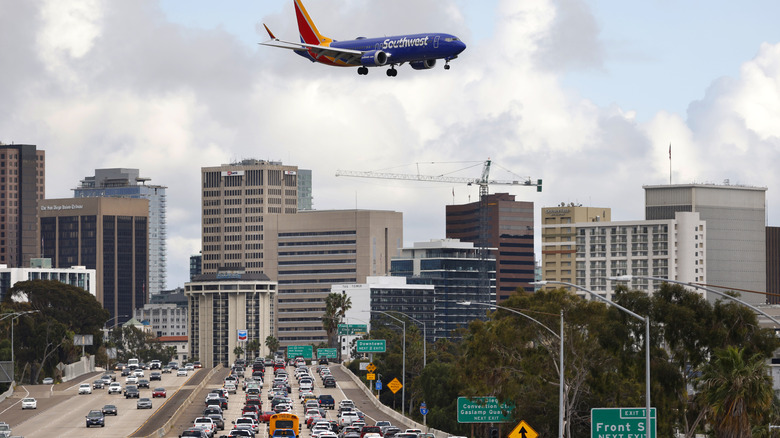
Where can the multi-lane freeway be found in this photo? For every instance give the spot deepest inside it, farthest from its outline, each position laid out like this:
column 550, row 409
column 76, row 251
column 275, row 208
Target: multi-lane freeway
column 61, row 410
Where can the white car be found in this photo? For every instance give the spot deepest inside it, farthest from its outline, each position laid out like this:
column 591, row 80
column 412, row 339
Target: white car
column 115, row 388
column 131, row 380
column 85, row 388
column 181, row 372
column 348, row 418
column 29, row 403
column 208, row 423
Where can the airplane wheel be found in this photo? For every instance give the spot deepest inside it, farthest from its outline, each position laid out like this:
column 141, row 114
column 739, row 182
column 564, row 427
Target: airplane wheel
column 390, row 72
column 446, row 66
column 362, row 70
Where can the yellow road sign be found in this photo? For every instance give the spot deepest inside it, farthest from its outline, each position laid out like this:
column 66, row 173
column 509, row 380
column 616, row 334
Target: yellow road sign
column 371, row 367
column 394, row 385
column 523, row 430
column 370, row 376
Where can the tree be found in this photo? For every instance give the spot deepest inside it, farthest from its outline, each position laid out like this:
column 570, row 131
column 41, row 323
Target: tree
column 238, row 351
column 272, row 343
column 738, row 392
column 336, row 307
column 253, row 346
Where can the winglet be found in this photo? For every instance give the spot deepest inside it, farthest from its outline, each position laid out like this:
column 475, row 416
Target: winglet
column 269, row 32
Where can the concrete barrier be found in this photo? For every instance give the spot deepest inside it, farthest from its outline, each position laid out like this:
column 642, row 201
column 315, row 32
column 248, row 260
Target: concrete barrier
column 8, row 393
column 77, row 369
column 395, row 415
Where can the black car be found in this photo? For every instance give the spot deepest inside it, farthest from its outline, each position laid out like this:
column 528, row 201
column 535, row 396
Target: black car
column 143, row 383
column 329, row 382
column 195, row 432
column 131, row 391
column 96, row 418
column 213, row 409
column 156, row 375
column 109, row 410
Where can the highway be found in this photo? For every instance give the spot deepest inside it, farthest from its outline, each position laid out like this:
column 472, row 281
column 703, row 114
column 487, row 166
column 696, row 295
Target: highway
column 61, row 410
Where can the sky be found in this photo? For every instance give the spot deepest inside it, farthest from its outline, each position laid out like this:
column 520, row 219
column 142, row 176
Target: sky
column 586, row 95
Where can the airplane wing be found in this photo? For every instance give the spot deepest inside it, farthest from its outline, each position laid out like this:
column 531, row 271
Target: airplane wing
column 347, row 56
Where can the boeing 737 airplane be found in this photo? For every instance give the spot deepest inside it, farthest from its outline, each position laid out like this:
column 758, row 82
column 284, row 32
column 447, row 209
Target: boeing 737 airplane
column 420, row 50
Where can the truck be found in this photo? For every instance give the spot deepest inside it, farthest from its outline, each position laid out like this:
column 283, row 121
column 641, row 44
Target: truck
column 326, row 401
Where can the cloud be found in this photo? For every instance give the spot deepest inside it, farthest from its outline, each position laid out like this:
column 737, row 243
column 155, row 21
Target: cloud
column 115, row 84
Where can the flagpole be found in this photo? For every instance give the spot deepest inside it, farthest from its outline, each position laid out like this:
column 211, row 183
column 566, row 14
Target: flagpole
column 670, row 163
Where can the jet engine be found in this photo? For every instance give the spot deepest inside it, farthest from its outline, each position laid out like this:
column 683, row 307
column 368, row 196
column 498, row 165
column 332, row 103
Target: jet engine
column 423, row 65
column 374, row 57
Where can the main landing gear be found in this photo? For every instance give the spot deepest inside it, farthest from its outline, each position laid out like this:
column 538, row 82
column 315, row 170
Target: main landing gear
column 363, row 70
column 392, row 72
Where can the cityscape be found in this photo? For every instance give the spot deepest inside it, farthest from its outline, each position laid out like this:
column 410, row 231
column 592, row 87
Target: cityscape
column 225, row 202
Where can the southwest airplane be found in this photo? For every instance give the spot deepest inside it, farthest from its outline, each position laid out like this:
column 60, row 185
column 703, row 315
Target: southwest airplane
column 420, row 50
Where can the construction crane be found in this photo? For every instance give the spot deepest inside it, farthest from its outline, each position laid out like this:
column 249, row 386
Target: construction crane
column 483, row 181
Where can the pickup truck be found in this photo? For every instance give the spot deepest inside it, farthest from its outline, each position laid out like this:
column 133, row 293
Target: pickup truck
column 326, row 401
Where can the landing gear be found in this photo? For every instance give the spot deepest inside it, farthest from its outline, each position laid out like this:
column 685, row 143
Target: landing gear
column 392, row 72
column 446, row 66
column 363, row 70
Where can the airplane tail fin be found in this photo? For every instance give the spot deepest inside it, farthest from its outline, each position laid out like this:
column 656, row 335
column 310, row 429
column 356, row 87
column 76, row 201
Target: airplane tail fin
column 270, row 34
column 306, row 27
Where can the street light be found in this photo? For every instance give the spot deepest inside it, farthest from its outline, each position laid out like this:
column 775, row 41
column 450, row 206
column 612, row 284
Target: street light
column 425, row 349
column 698, row 286
column 13, row 316
column 560, row 338
column 645, row 319
column 403, row 375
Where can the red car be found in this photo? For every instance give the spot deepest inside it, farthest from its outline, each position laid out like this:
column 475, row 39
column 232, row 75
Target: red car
column 265, row 416
column 249, row 408
column 159, row 392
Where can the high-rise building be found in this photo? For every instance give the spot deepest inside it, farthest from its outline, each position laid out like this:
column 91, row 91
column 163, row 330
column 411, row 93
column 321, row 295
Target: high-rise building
column 509, row 229
column 109, row 235
column 304, row 189
column 22, row 185
column 196, row 262
column 225, row 305
column 735, row 218
column 235, row 198
column 126, row 183
column 309, row 251
column 453, row 268
column 166, row 313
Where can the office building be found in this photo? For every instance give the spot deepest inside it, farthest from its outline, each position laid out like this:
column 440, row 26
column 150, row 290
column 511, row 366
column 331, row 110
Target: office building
column 736, row 231
column 235, row 198
column 773, row 265
column 559, row 234
column 304, row 189
column 454, row 269
column 222, row 304
column 196, row 263
column 78, row 276
column 509, row 227
column 166, row 313
column 109, row 235
column 309, row 251
column 22, row 185
column 126, row 183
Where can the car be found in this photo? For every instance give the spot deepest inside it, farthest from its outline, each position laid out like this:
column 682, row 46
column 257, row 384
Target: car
column 95, row 417
column 155, row 375
column 29, row 403
column 115, row 388
column 139, row 373
column 108, row 378
column 143, row 383
column 265, row 416
column 369, row 429
column 347, row 418
column 390, row 432
column 173, row 365
column 246, row 422
column 131, row 391
column 219, row 420
column 230, row 387
column 189, row 366
column 213, row 409
column 207, row 423
column 181, row 373
column 109, row 410
column 131, row 379
column 155, row 364
column 98, row 384
column 85, row 388
column 326, row 401
column 194, row 432
column 48, row 381
column 143, row 403
column 167, row 369
column 159, row 392
column 197, row 364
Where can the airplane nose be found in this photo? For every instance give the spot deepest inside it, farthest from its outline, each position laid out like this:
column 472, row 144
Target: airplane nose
column 460, row 46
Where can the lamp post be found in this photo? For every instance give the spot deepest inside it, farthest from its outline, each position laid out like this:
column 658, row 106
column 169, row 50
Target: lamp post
column 560, row 338
column 645, row 319
column 425, row 348
column 403, row 373
column 698, row 286
column 13, row 316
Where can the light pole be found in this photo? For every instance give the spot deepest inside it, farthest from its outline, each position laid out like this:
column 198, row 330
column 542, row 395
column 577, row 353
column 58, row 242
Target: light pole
column 560, row 338
column 698, row 286
column 13, row 316
column 645, row 319
column 425, row 360
column 403, row 373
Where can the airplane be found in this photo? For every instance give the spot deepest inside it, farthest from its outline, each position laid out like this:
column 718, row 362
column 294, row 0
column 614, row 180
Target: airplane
column 419, row 50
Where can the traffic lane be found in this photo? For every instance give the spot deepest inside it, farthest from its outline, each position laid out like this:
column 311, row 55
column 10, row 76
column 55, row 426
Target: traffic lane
column 66, row 418
column 195, row 409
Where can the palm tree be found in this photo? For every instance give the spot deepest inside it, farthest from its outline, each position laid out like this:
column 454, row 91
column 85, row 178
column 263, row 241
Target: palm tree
column 738, row 392
column 272, row 343
column 253, row 346
column 336, row 307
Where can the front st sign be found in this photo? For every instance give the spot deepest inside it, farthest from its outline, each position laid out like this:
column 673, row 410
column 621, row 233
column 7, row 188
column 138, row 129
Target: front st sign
column 621, row 423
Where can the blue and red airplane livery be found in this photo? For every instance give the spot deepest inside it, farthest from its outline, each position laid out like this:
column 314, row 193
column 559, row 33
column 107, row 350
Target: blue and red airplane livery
column 419, row 50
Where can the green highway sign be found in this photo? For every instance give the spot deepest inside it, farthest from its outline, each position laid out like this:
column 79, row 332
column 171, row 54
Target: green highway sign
column 483, row 410
column 330, row 353
column 352, row 329
column 294, row 351
column 621, row 423
column 371, row 346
